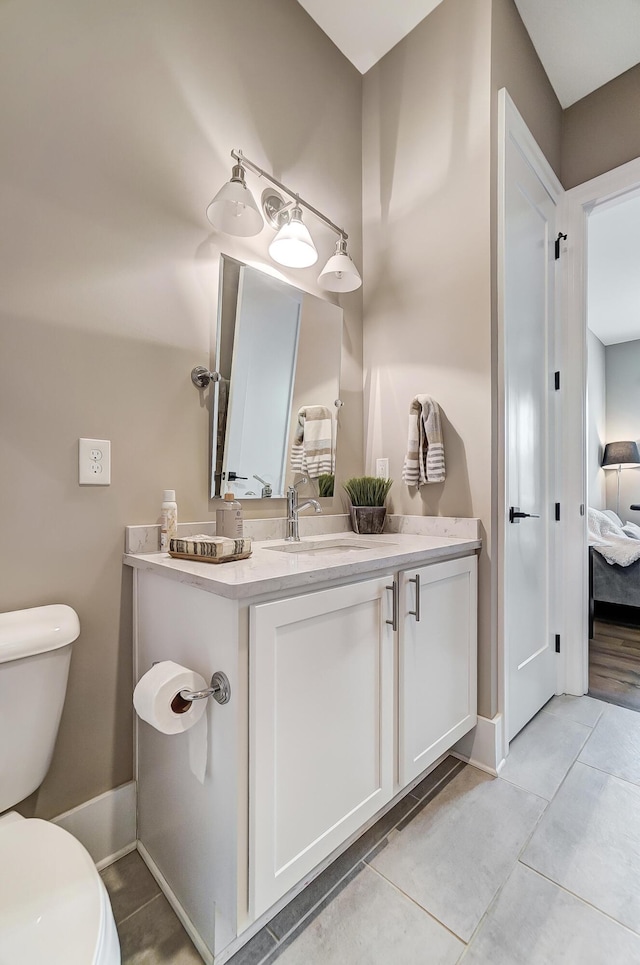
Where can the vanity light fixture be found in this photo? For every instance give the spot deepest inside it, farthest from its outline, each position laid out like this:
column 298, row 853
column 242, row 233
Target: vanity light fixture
column 293, row 245
column 234, row 211
column 340, row 274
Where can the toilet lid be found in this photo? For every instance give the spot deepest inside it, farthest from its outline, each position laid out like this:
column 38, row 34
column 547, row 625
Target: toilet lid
column 51, row 907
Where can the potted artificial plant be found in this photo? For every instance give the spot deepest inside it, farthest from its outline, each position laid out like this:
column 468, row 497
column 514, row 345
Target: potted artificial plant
column 368, row 495
column 325, row 484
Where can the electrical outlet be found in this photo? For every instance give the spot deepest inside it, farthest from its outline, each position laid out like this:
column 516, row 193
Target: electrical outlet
column 382, row 468
column 94, row 462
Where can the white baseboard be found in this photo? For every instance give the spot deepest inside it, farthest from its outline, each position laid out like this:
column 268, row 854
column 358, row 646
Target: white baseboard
column 482, row 746
column 189, row 927
column 105, row 825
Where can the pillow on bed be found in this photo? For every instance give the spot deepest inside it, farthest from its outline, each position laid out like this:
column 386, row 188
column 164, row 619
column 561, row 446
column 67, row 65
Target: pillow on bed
column 632, row 530
column 612, row 516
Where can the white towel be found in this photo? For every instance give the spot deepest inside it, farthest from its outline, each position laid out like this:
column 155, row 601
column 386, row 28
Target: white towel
column 424, row 462
column 312, row 449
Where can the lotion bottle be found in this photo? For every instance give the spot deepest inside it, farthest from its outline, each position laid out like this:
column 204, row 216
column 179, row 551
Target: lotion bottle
column 229, row 518
column 168, row 519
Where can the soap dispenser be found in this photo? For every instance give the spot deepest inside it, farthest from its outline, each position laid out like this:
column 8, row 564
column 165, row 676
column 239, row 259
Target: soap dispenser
column 229, row 518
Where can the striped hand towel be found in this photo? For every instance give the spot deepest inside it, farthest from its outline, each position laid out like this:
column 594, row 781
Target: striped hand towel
column 424, row 462
column 312, row 449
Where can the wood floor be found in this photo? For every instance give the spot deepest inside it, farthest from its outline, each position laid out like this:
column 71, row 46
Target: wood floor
column 614, row 664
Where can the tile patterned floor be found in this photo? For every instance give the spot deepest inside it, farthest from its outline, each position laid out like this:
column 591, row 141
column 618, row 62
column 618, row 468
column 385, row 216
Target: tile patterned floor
column 536, row 867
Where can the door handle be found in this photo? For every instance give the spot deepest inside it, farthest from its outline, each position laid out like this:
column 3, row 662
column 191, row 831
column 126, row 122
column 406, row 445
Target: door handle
column 395, row 604
column 515, row 515
column 416, row 613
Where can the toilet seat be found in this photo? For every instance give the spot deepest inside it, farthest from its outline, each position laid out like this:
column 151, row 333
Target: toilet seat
column 54, row 907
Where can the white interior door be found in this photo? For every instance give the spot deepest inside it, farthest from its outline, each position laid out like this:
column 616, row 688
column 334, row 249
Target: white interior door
column 528, row 290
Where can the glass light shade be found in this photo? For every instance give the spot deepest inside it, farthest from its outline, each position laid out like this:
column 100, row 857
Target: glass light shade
column 620, row 454
column 340, row 274
column 234, row 209
column 293, row 245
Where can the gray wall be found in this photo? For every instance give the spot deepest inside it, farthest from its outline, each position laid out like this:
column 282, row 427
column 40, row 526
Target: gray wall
column 117, row 122
column 623, row 419
column 427, row 263
column 602, row 130
column 516, row 66
column 596, row 421
column 118, row 119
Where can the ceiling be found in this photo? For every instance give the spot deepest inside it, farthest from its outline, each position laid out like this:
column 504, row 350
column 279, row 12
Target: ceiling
column 581, row 43
column 364, row 30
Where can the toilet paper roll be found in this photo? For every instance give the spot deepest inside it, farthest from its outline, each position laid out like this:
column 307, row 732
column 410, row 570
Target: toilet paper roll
column 154, row 697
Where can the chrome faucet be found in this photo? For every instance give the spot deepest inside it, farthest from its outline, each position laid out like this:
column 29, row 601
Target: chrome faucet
column 293, row 508
column 267, row 489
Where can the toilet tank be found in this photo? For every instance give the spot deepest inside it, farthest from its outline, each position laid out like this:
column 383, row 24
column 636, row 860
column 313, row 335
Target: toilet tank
column 35, row 651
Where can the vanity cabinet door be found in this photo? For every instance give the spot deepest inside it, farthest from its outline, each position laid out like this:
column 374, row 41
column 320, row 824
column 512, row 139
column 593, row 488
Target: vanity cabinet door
column 321, row 728
column 437, row 662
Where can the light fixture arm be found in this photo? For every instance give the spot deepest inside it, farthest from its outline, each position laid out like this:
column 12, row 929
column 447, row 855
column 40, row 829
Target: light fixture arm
column 245, row 162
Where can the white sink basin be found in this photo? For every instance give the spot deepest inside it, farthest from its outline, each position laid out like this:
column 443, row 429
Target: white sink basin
column 338, row 545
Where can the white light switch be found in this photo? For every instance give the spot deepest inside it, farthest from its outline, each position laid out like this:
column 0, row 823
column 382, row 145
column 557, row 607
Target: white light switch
column 382, row 468
column 94, row 462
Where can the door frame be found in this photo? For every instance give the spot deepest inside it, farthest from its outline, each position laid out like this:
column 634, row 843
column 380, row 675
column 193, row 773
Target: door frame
column 578, row 203
column 512, row 126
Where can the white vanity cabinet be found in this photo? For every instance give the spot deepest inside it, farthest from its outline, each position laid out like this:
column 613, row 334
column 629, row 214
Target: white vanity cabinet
column 340, row 700
column 437, row 661
column 321, row 756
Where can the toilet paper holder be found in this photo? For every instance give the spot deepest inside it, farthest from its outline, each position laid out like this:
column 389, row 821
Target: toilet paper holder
column 220, row 690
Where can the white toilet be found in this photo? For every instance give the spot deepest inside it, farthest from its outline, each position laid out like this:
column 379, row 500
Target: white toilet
column 54, row 907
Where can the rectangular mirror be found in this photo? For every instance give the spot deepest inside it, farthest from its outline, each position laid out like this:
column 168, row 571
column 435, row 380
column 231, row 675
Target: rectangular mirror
column 278, row 353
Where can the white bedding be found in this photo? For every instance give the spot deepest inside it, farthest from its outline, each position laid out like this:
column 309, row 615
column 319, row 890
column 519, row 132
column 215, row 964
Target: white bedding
column 607, row 537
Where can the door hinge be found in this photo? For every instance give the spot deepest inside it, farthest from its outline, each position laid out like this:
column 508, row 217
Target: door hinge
column 557, row 512
column 556, row 380
column 560, row 238
column 557, row 643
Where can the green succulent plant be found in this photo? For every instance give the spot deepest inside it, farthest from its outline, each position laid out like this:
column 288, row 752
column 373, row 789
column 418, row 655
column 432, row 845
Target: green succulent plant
column 367, row 490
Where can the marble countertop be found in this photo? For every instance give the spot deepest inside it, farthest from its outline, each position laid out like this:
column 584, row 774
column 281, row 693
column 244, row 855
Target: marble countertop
column 268, row 571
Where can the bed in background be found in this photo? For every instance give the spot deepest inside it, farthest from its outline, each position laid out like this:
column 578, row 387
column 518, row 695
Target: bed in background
column 613, row 582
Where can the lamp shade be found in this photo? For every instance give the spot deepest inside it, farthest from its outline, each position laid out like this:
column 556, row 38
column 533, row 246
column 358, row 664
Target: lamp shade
column 340, row 274
column 293, row 245
column 620, row 454
column 234, row 209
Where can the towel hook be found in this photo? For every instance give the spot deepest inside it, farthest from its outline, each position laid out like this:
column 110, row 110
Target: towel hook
column 338, row 403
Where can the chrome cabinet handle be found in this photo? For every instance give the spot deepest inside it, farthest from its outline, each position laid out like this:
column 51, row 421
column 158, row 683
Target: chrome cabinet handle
column 393, row 622
column 416, row 612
